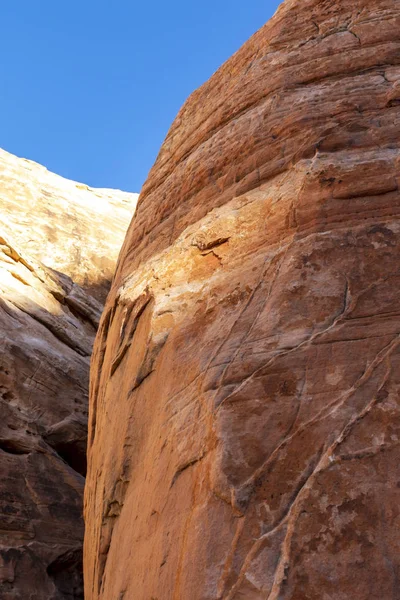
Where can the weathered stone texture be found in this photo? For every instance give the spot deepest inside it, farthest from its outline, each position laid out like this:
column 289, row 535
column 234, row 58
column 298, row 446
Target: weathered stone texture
column 44, row 363
column 244, row 414
column 68, row 226
column 47, row 328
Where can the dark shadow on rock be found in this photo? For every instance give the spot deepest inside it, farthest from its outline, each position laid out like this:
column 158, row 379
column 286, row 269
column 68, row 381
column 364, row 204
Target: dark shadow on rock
column 67, row 574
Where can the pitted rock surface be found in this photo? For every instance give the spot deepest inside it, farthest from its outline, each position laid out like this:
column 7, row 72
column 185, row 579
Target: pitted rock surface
column 244, row 410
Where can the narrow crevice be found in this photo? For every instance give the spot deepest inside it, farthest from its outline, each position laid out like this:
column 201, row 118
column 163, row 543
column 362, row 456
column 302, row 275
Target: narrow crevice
column 185, row 467
column 66, row 572
column 73, row 453
column 16, row 447
column 129, row 329
column 140, row 379
column 68, row 439
column 79, row 313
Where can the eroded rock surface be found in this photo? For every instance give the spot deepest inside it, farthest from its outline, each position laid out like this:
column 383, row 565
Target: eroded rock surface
column 47, row 328
column 244, row 414
column 68, row 226
column 45, row 346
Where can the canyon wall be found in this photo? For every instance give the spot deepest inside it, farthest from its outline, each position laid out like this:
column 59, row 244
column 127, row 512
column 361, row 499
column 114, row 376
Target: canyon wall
column 68, row 226
column 244, row 408
column 47, row 327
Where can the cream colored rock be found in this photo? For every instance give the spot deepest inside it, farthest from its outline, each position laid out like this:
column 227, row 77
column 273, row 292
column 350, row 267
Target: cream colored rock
column 244, row 413
column 68, row 226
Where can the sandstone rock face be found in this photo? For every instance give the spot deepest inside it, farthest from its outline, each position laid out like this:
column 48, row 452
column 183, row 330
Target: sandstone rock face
column 45, row 346
column 244, row 414
column 50, row 217
column 47, row 328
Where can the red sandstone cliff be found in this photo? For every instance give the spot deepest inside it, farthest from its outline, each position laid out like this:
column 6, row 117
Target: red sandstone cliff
column 244, row 412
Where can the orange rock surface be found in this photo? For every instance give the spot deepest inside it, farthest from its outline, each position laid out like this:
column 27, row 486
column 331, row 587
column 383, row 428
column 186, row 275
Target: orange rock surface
column 244, row 412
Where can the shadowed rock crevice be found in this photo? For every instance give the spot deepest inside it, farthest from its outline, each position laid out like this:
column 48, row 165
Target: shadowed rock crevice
column 12, row 446
column 66, row 571
column 69, row 440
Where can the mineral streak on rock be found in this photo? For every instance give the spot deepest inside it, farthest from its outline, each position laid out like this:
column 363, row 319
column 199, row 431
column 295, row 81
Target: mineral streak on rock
column 47, row 327
column 244, row 413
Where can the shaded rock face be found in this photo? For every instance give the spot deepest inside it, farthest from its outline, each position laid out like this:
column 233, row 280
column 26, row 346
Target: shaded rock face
column 44, row 362
column 51, row 216
column 47, row 328
column 244, row 412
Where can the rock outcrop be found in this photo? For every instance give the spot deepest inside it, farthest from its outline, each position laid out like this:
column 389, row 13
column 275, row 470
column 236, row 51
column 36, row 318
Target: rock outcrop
column 68, row 226
column 244, row 413
column 47, row 328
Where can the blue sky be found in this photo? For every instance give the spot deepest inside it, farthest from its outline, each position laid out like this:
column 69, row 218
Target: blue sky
column 89, row 88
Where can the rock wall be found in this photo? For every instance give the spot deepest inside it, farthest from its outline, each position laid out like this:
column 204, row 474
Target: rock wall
column 244, row 409
column 68, row 226
column 47, row 328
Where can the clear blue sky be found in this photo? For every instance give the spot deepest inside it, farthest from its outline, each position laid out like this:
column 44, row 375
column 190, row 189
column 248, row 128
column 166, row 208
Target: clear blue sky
column 89, row 88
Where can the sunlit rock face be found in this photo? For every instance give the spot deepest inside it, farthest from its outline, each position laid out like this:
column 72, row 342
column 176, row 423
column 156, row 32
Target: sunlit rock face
column 50, row 217
column 244, row 412
column 47, row 328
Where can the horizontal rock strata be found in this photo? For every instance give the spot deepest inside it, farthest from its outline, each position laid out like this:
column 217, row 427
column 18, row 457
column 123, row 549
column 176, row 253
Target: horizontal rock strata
column 244, row 412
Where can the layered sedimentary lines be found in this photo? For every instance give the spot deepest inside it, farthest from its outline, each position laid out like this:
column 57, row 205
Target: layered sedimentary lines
column 47, row 328
column 68, row 226
column 245, row 391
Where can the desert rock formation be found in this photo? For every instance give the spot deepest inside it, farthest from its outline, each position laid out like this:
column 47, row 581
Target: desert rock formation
column 51, row 217
column 47, row 328
column 244, row 412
